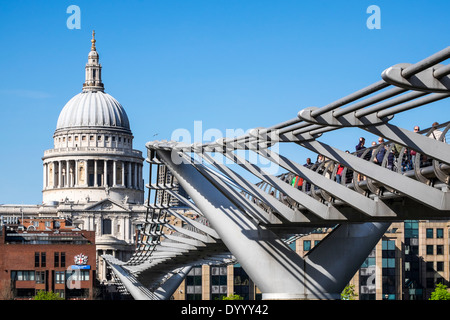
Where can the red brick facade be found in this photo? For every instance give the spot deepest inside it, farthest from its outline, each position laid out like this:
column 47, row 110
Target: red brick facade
column 44, row 260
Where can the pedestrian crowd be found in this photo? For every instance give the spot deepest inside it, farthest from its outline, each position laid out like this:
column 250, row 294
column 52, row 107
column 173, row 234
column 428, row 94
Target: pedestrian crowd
column 380, row 153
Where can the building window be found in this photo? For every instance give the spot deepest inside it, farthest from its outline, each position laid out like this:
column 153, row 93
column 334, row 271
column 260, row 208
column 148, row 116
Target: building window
column 439, row 249
column 429, row 233
column 63, row 259
column 367, row 277
column 40, row 276
column 60, row 292
column 59, row 276
column 36, row 259
column 43, row 259
column 306, row 245
column 388, row 269
column 77, row 275
column 22, row 275
column 411, row 229
column 218, row 282
column 292, row 245
column 430, row 249
column 440, row 266
column 241, row 282
column 194, row 284
column 56, row 260
column 106, row 226
column 439, row 233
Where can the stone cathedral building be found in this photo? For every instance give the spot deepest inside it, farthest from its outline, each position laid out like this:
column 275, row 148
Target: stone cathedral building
column 92, row 176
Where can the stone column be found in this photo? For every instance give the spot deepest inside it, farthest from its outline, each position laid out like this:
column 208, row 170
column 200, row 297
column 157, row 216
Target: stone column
column 135, row 176
column 71, row 177
column 59, row 174
column 75, row 173
column 44, row 186
column 48, row 175
column 138, row 185
column 105, row 173
column 114, row 173
column 129, row 174
column 55, row 175
column 141, row 184
column 67, row 182
column 125, row 229
column 123, row 174
column 86, row 171
column 95, row 174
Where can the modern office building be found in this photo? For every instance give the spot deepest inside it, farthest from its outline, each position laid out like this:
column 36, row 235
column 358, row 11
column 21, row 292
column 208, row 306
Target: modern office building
column 406, row 264
column 208, row 282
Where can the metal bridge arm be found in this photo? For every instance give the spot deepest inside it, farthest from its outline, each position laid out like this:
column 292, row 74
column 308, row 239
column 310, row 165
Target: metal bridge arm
column 354, row 199
column 411, row 188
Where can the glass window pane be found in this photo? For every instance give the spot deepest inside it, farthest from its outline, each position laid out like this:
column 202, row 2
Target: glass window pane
column 391, row 263
column 391, row 245
column 306, row 245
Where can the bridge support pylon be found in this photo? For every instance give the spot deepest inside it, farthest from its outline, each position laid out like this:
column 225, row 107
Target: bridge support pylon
column 276, row 269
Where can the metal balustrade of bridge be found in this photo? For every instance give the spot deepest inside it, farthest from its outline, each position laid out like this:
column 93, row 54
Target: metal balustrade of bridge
column 237, row 219
column 397, row 158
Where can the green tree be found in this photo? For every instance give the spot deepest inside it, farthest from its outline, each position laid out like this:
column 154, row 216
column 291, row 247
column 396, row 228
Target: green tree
column 232, row 297
column 349, row 293
column 46, row 295
column 440, row 292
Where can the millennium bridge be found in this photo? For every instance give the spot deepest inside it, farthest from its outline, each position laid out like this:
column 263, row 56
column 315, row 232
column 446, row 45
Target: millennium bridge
column 357, row 194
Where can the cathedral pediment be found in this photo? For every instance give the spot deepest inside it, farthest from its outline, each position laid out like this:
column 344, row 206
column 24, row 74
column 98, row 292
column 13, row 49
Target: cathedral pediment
column 107, row 205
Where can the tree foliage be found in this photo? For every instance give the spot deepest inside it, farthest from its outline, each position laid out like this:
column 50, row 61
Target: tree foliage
column 233, row 297
column 46, row 295
column 349, row 293
column 440, row 292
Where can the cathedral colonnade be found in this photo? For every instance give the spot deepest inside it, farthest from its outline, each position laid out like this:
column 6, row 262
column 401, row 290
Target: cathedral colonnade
column 112, row 173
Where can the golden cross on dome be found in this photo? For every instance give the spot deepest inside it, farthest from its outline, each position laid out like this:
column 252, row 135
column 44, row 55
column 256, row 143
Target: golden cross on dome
column 93, row 40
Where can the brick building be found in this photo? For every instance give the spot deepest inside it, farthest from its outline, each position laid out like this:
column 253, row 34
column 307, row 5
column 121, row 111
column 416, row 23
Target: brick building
column 46, row 255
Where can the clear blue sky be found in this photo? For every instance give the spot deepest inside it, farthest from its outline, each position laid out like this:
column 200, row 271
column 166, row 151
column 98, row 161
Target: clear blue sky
column 230, row 64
